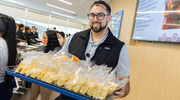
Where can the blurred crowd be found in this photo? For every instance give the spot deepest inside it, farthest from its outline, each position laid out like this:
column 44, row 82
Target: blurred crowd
column 26, row 34
column 30, row 35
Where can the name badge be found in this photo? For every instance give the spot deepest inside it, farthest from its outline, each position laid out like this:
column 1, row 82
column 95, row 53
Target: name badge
column 107, row 48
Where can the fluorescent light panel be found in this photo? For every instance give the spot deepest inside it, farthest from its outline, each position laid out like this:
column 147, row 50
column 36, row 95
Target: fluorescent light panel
column 69, row 3
column 19, row 3
column 60, row 8
column 61, row 14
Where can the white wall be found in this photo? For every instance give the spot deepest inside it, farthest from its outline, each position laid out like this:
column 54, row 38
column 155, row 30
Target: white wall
column 38, row 17
column 12, row 11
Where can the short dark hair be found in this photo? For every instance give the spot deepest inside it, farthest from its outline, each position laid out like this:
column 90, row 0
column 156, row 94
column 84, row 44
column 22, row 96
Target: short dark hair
column 62, row 34
column 27, row 28
column 33, row 27
column 21, row 25
column 108, row 8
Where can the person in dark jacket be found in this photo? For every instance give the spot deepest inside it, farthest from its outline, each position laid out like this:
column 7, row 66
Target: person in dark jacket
column 20, row 34
column 34, row 32
column 27, row 34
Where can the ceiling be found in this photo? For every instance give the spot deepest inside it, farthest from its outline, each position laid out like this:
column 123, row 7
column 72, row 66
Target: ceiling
column 77, row 11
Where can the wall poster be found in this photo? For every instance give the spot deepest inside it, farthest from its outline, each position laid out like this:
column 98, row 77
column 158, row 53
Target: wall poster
column 115, row 23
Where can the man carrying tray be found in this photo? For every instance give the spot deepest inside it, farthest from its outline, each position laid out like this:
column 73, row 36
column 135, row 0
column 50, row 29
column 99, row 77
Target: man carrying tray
column 99, row 45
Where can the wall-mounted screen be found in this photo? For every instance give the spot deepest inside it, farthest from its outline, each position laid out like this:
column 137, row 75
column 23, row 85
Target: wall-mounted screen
column 157, row 20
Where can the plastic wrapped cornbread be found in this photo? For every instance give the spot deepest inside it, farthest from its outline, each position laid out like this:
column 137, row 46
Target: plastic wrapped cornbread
column 67, row 71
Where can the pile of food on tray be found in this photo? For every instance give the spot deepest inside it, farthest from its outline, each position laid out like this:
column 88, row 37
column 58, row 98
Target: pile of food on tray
column 67, row 71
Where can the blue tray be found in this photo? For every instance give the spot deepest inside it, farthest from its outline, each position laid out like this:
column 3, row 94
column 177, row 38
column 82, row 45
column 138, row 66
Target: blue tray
column 10, row 71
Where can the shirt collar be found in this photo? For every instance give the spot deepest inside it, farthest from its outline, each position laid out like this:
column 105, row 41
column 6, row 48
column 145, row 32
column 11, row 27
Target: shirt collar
column 101, row 41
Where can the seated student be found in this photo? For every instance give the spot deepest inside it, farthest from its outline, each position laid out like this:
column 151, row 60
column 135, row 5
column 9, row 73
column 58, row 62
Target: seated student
column 20, row 34
column 27, row 34
column 50, row 42
column 8, row 54
column 34, row 31
column 33, row 36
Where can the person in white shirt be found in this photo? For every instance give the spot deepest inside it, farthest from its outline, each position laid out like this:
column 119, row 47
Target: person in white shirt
column 8, row 55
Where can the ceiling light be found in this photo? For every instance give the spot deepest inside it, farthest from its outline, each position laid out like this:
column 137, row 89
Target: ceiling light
column 19, row 3
column 69, row 3
column 60, row 8
column 61, row 14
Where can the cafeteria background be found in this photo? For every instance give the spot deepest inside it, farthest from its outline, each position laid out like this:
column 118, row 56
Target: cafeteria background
column 154, row 66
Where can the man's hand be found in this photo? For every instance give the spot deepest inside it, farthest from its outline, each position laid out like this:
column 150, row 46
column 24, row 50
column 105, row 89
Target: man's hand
column 123, row 90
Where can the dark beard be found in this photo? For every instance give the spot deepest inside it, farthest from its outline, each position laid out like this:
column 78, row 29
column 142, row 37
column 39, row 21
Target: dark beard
column 98, row 29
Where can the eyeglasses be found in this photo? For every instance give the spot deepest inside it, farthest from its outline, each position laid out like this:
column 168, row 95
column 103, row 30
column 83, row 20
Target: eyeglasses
column 100, row 16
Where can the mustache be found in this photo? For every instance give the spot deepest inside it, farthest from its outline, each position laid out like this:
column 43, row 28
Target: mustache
column 96, row 22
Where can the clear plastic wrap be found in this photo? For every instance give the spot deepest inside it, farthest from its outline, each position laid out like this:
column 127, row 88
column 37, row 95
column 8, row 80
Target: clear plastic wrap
column 67, row 71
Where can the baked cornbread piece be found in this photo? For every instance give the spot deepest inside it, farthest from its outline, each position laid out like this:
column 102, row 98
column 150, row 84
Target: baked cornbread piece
column 75, row 59
column 20, row 67
column 85, row 86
